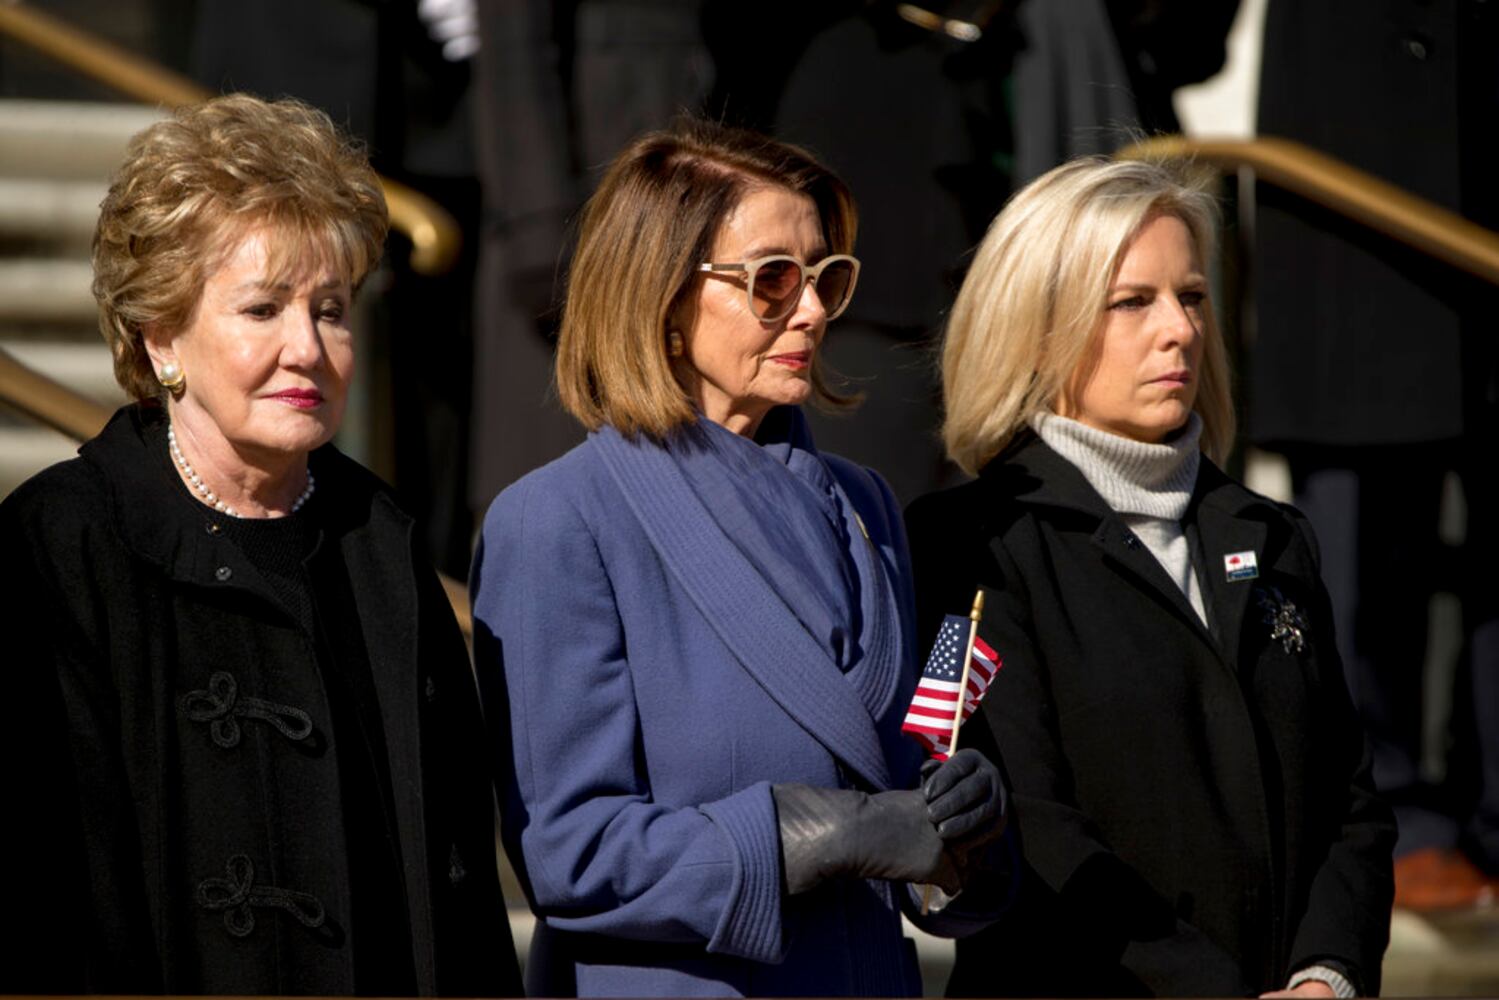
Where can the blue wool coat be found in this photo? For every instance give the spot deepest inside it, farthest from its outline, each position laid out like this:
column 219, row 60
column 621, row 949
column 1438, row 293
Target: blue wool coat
column 643, row 704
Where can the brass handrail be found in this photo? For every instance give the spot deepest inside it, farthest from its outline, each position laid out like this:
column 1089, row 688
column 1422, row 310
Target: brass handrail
column 434, row 235
column 1346, row 190
column 458, row 597
column 48, row 402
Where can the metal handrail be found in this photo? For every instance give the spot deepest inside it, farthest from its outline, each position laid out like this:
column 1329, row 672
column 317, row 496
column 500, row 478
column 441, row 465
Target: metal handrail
column 1346, row 190
column 462, row 610
column 48, row 402
column 434, row 234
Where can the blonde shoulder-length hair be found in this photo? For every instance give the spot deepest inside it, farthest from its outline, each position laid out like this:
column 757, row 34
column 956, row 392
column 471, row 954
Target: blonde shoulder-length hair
column 1033, row 303
column 645, row 231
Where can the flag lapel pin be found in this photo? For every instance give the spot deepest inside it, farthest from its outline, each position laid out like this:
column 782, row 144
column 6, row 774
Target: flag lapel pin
column 1240, row 566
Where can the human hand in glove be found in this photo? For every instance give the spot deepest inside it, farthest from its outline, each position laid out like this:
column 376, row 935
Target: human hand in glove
column 826, row 832
column 966, row 802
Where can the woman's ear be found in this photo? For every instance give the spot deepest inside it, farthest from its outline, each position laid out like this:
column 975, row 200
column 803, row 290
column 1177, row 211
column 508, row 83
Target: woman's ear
column 683, row 315
column 158, row 344
column 163, row 359
column 1064, row 404
column 680, row 320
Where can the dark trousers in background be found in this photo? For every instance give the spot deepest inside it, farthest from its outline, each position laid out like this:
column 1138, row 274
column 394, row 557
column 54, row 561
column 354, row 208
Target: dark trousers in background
column 1376, row 511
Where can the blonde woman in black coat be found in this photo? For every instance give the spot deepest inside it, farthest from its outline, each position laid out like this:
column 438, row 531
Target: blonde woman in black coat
column 1193, row 791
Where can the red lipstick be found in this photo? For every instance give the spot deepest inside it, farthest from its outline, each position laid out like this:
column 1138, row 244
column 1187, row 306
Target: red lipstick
column 302, row 399
column 795, row 360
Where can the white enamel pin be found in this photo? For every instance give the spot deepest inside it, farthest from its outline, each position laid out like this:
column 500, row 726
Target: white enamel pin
column 1241, row 566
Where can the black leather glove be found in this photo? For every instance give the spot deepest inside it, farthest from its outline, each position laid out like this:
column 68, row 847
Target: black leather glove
column 836, row 831
column 966, row 802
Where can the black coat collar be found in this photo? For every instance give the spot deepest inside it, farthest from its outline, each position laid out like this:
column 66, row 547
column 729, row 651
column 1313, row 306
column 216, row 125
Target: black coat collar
column 1032, row 473
column 1222, row 518
column 159, row 521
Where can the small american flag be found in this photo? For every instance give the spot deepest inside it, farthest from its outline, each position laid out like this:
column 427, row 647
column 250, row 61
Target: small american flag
column 930, row 718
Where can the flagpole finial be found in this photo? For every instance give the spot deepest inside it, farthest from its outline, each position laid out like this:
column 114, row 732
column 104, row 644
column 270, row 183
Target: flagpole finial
column 978, row 605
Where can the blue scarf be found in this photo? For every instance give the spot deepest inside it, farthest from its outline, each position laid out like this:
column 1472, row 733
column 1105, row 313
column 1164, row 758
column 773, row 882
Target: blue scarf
column 768, row 545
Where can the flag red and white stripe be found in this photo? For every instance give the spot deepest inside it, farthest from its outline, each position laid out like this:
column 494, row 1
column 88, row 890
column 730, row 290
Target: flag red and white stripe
column 934, row 708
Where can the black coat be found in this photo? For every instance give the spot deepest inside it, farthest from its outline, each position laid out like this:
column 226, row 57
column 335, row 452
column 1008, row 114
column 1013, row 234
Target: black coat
column 1194, row 805
column 1360, row 340
column 560, row 87
column 136, row 814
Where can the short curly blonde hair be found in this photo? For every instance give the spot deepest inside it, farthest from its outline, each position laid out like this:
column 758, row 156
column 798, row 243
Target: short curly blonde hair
column 194, row 184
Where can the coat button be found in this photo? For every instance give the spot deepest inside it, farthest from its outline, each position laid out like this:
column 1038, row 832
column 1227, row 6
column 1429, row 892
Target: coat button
column 430, row 689
column 1416, row 48
column 222, row 573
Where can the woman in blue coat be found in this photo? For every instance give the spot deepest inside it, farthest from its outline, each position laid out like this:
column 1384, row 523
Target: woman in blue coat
column 694, row 631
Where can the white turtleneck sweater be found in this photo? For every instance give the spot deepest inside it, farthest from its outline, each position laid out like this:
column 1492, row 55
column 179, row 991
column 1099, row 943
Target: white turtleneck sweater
column 1147, row 485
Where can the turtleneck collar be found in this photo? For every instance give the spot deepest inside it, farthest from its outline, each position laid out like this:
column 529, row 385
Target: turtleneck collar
column 1133, row 477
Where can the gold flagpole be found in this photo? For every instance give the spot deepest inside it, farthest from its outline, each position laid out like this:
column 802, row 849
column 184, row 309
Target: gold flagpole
column 973, row 631
column 957, row 719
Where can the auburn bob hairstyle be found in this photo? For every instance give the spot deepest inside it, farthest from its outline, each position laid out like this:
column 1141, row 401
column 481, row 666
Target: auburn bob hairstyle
column 652, row 221
column 193, row 185
column 1031, row 309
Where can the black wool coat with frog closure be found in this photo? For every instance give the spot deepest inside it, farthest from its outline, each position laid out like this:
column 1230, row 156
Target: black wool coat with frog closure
column 170, row 768
column 1194, row 802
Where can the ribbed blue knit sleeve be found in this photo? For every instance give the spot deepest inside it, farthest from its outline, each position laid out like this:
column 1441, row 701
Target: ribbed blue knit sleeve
column 599, row 853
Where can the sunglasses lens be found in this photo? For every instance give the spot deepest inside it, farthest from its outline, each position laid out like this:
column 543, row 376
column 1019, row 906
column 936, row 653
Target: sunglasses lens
column 835, row 286
column 776, row 287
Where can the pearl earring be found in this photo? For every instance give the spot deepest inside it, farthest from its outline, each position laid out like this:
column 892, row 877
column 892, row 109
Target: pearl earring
column 170, row 376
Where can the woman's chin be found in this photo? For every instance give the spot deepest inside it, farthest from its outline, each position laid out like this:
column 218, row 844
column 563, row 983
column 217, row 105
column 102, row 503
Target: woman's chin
column 1164, row 422
column 303, row 434
column 793, row 392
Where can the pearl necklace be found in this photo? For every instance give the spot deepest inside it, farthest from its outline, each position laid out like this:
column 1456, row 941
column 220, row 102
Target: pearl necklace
column 196, row 481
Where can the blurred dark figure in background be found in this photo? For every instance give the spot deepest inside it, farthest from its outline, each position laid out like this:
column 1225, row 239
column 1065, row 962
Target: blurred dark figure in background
column 560, row 87
column 932, row 133
column 929, row 131
column 397, row 75
column 1374, row 372
column 1120, row 62
column 918, row 125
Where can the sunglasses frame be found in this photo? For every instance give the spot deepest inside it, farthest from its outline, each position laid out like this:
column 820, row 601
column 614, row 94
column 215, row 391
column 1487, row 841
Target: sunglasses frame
column 809, row 274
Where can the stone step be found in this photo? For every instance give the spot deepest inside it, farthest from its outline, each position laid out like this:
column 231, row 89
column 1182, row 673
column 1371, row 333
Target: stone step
column 50, row 290
column 66, row 140
column 59, row 213
column 1452, row 955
